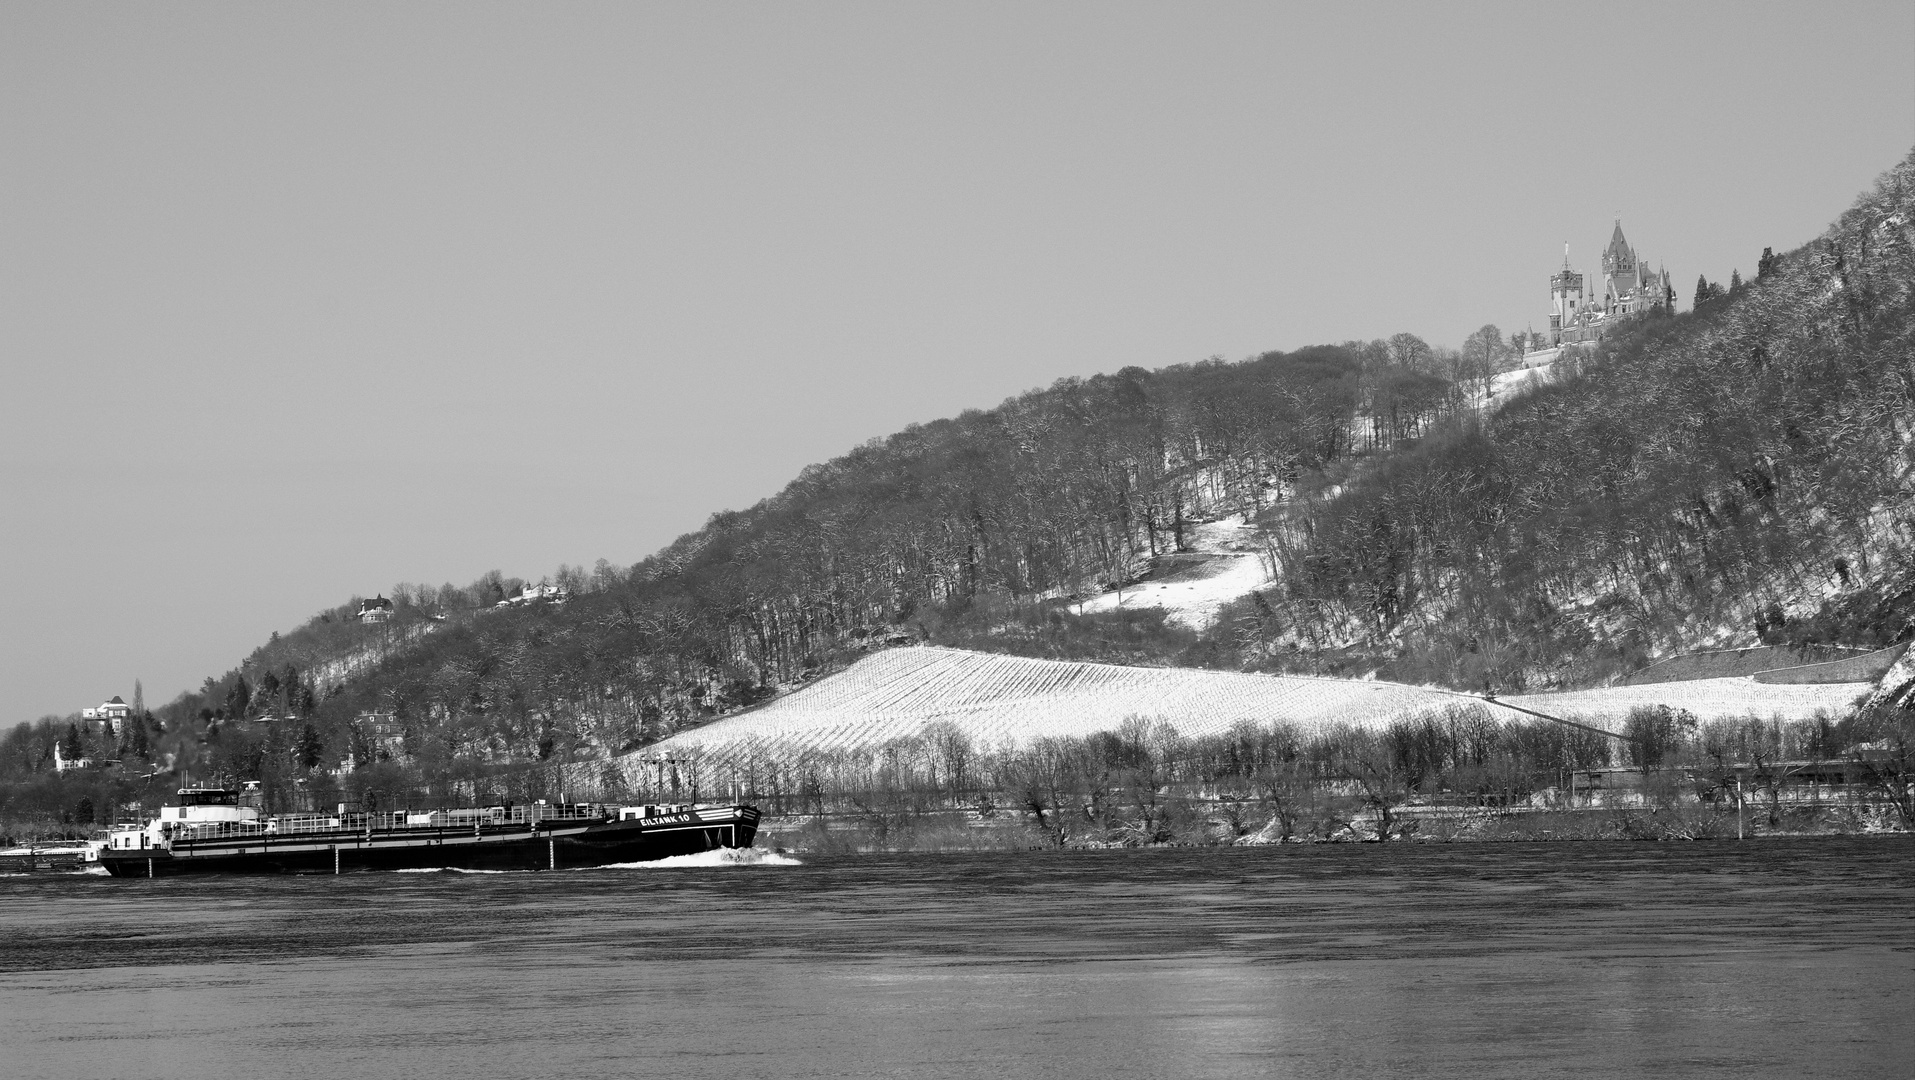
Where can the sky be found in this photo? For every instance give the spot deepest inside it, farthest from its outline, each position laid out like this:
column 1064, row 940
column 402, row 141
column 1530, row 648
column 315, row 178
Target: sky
column 298, row 301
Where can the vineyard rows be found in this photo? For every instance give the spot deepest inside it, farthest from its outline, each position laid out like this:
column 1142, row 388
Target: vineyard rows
column 1000, row 701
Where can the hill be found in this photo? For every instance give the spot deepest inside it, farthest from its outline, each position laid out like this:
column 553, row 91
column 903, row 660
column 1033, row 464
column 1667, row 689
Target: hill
column 1740, row 475
column 1000, row 529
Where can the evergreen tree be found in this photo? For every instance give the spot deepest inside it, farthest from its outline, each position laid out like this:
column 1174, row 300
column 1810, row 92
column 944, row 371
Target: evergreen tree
column 71, row 747
column 1735, row 282
column 239, row 699
column 1702, row 290
column 310, row 749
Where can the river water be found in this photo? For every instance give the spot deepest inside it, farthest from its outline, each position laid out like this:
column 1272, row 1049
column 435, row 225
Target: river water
column 1777, row 958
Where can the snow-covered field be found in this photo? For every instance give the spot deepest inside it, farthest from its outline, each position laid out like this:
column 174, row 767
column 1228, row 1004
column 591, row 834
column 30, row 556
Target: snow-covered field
column 1191, row 596
column 1707, row 699
column 1000, row 700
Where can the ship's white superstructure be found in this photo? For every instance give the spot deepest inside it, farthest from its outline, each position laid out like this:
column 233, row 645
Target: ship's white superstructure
column 197, row 807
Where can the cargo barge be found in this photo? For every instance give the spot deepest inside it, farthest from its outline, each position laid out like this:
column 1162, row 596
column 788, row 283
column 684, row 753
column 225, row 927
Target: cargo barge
column 65, row 856
column 210, row 832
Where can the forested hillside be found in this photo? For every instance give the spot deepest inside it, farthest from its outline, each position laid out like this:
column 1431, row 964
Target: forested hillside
column 1740, row 474
column 1736, row 474
column 983, row 530
column 979, row 529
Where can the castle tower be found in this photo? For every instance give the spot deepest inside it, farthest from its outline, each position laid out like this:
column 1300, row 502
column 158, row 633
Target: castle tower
column 1566, row 299
column 1620, row 276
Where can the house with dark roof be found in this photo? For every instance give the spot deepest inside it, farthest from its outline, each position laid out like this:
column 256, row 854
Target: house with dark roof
column 376, row 610
column 111, row 712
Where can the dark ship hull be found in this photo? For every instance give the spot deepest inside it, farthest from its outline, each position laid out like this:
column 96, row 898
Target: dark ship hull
column 571, row 837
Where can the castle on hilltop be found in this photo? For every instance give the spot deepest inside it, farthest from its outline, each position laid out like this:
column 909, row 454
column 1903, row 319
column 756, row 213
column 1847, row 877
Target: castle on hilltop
column 1629, row 288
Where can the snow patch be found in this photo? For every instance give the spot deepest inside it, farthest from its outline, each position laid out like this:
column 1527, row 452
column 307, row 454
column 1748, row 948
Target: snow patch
column 1190, row 597
column 1504, row 385
column 1191, row 588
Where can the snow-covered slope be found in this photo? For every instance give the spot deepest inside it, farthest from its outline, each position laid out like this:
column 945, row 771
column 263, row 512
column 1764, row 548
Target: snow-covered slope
column 1535, row 369
column 998, row 700
column 1223, row 565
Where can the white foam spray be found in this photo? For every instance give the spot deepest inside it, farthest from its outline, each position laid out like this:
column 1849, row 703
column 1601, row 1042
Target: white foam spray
column 712, row 858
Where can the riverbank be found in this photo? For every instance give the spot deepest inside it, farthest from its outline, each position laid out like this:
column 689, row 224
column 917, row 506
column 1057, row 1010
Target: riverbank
column 853, row 833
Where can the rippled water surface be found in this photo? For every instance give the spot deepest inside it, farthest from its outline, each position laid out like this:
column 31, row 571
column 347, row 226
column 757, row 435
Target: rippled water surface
column 1780, row 958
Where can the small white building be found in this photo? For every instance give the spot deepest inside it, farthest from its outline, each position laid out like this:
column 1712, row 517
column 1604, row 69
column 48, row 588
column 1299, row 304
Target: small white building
column 544, row 591
column 61, row 763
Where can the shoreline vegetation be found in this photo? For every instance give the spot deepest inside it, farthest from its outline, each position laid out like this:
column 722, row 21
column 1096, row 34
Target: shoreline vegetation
column 848, row 834
column 1450, row 774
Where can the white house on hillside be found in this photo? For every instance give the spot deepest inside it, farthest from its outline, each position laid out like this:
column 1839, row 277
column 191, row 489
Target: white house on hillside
column 376, row 610
column 113, row 712
column 544, row 590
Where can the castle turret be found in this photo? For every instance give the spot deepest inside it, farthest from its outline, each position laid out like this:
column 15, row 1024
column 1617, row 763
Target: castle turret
column 1620, row 276
column 1566, row 298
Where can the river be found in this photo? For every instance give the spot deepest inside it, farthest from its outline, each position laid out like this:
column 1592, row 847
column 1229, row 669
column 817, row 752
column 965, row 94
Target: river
column 1776, row 958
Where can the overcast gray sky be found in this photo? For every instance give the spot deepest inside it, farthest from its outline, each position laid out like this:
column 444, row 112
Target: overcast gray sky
column 299, row 301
